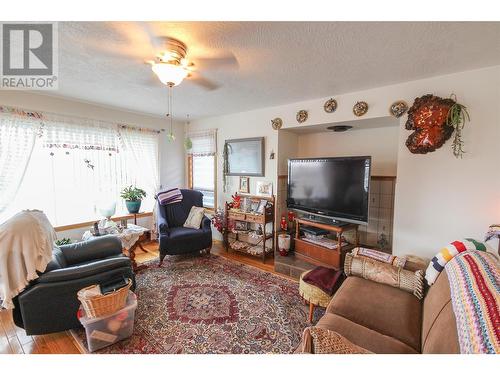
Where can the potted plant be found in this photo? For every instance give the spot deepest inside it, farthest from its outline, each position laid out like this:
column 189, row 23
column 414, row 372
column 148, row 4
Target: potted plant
column 133, row 197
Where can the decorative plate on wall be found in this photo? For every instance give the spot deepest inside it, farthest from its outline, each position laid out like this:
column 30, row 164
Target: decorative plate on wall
column 360, row 108
column 302, row 116
column 277, row 123
column 330, row 105
column 427, row 118
column 398, row 108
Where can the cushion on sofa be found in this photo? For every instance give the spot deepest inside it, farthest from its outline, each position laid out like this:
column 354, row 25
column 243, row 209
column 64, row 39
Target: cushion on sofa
column 443, row 337
column 382, row 308
column 439, row 327
column 370, row 269
column 364, row 337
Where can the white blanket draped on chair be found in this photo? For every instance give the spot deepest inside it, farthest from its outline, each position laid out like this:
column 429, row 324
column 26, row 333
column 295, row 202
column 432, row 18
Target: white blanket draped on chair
column 26, row 244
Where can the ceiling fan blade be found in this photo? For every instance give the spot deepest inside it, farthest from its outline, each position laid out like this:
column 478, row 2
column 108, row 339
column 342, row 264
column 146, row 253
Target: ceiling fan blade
column 156, row 42
column 115, row 51
column 227, row 61
column 201, row 81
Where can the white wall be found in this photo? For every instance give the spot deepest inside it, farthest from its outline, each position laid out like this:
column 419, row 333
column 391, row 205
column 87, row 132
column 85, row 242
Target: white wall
column 242, row 125
column 288, row 148
column 438, row 198
column 379, row 143
column 171, row 153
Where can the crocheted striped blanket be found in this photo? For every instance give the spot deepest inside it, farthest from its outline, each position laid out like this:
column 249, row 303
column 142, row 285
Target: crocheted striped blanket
column 475, row 295
column 447, row 253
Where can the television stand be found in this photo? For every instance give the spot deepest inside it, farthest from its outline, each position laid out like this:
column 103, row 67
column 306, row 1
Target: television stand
column 321, row 255
column 323, row 220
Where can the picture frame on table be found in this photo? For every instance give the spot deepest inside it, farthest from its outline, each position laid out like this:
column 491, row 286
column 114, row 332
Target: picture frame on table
column 244, row 185
column 262, row 206
column 264, row 188
column 240, row 225
column 254, row 206
column 247, row 205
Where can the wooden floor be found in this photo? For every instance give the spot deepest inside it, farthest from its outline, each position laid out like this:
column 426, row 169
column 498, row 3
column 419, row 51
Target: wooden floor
column 13, row 340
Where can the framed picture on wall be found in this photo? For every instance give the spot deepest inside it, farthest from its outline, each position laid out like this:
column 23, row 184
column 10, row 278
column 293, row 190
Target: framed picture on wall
column 244, row 185
column 264, row 188
column 244, row 157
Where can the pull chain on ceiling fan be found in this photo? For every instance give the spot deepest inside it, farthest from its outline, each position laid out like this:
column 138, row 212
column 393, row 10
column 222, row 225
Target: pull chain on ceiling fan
column 170, row 115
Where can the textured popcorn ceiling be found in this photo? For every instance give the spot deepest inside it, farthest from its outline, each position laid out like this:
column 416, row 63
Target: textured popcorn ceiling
column 278, row 63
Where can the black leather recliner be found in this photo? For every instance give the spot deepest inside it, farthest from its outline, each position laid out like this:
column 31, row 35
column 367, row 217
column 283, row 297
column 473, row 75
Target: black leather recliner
column 49, row 303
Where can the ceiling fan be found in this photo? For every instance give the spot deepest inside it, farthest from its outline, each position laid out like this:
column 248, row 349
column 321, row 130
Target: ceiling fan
column 172, row 63
column 169, row 57
column 172, row 66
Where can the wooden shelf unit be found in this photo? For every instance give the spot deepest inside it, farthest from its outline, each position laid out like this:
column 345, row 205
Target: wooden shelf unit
column 262, row 219
column 321, row 255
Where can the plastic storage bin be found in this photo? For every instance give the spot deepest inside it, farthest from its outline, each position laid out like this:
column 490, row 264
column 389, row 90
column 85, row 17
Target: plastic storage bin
column 106, row 330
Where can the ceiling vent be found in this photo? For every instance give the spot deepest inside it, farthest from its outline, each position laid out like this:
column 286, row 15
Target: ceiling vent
column 339, row 128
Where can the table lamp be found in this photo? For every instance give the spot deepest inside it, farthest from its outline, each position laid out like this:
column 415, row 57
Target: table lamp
column 493, row 232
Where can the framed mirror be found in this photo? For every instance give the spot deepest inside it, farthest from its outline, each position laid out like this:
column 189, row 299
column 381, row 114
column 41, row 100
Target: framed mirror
column 245, row 157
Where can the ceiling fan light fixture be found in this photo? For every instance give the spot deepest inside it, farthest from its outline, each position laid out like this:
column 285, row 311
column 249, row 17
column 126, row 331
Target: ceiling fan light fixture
column 170, row 74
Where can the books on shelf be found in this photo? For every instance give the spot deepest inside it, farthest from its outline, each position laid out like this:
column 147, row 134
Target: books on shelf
column 325, row 242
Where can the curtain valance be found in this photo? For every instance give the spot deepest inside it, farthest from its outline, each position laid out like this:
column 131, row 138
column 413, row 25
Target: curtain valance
column 203, row 142
column 66, row 132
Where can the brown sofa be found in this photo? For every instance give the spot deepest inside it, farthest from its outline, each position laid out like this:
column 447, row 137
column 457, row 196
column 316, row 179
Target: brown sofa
column 384, row 319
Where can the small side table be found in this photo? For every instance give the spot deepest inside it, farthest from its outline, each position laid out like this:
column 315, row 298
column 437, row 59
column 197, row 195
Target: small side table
column 312, row 294
column 132, row 237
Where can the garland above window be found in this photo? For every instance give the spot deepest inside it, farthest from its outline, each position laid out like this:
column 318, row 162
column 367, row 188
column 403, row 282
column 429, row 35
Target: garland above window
column 70, row 132
column 20, row 112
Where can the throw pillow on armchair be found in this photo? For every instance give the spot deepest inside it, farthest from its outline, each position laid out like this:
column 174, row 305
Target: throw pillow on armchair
column 194, row 218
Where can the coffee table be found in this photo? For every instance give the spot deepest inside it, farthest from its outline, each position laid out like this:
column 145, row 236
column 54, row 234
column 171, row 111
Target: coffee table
column 132, row 237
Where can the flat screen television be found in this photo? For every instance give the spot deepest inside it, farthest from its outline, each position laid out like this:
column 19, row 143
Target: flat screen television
column 332, row 187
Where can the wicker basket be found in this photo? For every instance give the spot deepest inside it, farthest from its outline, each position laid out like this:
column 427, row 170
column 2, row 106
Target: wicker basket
column 106, row 304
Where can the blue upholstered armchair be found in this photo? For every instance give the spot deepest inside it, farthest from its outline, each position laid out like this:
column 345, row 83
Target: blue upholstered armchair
column 176, row 239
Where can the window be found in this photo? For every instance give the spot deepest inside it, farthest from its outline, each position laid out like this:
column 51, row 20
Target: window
column 78, row 167
column 202, row 165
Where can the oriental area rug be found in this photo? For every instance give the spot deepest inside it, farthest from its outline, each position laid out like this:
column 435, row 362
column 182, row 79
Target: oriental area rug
column 209, row 304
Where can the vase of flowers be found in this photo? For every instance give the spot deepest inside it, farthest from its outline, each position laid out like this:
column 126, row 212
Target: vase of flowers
column 133, row 197
column 219, row 221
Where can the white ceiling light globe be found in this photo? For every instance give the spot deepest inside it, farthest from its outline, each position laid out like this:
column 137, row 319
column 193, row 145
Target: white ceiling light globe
column 170, row 74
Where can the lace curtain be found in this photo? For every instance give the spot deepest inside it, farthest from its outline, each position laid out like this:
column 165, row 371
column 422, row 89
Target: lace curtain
column 141, row 147
column 18, row 133
column 70, row 167
column 204, row 142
